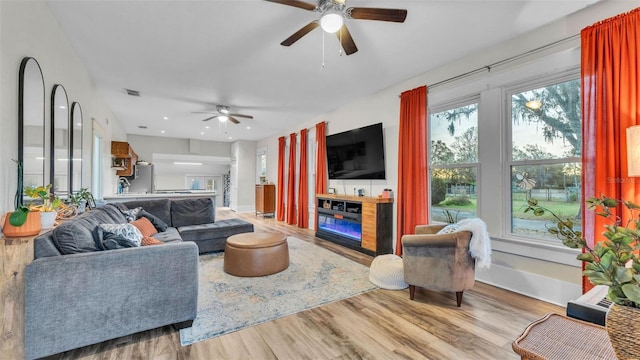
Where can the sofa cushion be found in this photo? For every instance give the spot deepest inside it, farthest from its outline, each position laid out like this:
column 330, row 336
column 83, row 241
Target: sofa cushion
column 128, row 231
column 192, row 212
column 114, row 211
column 148, row 241
column 221, row 229
column 75, row 236
column 145, row 226
column 160, row 225
column 170, row 235
column 158, row 207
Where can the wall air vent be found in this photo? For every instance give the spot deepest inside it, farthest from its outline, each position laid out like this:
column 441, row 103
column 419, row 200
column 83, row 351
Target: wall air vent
column 132, row 92
column 141, row 127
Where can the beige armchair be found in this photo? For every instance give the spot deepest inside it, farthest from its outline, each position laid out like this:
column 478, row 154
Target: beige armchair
column 438, row 261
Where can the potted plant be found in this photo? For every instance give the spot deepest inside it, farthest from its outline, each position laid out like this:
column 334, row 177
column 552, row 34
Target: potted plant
column 21, row 222
column 614, row 262
column 80, row 199
column 45, row 202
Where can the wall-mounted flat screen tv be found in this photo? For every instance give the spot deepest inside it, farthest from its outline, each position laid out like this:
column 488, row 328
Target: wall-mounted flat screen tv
column 356, row 154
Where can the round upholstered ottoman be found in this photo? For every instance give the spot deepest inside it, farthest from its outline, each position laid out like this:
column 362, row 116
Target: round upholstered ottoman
column 256, row 254
column 386, row 272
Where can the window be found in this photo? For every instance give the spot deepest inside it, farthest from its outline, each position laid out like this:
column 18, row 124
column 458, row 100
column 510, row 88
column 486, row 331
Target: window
column 453, row 158
column 546, row 148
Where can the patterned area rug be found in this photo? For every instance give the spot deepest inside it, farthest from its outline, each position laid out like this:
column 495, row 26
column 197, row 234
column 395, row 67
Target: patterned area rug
column 315, row 276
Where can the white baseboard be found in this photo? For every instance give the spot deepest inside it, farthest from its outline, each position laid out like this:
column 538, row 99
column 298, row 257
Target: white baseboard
column 536, row 286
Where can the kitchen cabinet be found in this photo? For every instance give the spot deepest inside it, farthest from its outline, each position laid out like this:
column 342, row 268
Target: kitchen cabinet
column 124, row 158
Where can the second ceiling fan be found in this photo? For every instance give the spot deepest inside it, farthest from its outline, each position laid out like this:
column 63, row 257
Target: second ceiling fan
column 334, row 12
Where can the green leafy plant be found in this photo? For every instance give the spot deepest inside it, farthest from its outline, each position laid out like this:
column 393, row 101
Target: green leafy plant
column 50, row 202
column 450, row 219
column 77, row 197
column 613, row 262
column 19, row 216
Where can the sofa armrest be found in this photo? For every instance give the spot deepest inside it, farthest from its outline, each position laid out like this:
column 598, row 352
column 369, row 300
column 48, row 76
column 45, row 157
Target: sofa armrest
column 429, row 229
column 456, row 239
column 81, row 299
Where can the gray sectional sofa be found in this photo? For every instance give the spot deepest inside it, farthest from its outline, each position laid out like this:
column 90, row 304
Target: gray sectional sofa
column 77, row 294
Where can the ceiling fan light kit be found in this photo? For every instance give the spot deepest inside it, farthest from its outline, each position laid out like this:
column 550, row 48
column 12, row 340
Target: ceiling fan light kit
column 332, row 19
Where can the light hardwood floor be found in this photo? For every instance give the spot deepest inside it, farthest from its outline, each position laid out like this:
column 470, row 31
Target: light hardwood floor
column 381, row 324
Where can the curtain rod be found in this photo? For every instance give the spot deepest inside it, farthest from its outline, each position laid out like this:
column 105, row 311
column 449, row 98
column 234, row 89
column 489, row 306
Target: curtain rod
column 502, row 62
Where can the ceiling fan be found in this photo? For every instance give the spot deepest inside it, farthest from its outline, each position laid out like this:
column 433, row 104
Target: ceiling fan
column 223, row 114
column 333, row 13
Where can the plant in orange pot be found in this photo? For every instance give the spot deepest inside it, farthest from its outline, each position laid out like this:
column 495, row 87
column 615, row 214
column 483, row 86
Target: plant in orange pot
column 21, row 222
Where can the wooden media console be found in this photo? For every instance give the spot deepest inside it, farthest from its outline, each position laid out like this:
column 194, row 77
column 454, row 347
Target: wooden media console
column 359, row 222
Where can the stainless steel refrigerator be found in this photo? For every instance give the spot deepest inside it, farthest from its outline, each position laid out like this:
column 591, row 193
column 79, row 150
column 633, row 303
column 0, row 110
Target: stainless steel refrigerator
column 143, row 181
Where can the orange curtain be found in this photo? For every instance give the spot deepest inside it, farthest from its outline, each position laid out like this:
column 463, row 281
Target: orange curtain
column 291, row 184
column 412, row 163
column 303, row 183
column 280, row 203
column 610, row 90
column 321, row 163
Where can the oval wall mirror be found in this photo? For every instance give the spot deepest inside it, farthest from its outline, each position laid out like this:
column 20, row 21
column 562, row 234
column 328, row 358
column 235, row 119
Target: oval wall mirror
column 60, row 142
column 76, row 146
column 31, row 139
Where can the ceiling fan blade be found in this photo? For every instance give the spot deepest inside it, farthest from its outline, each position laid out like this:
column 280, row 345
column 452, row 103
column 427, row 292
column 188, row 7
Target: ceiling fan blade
column 344, row 36
column 300, row 33
column 295, row 3
column 209, row 118
column 233, row 120
column 204, row 112
column 394, row 15
column 242, row 116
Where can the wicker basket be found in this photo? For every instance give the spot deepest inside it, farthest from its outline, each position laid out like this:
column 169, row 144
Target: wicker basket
column 623, row 326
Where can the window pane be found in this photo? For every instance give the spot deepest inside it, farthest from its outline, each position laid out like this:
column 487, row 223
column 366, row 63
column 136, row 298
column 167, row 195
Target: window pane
column 557, row 187
column 453, row 190
column 546, row 122
column 454, row 135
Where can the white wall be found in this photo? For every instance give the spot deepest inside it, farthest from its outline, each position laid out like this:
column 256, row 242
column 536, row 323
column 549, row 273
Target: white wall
column 28, row 29
column 548, row 273
column 243, row 175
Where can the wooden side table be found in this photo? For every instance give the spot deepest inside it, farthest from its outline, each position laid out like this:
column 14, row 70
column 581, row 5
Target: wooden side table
column 557, row 337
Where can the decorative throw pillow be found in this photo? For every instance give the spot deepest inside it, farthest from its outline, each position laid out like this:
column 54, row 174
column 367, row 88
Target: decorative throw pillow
column 160, row 225
column 148, row 240
column 145, row 226
column 109, row 241
column 127, row 231
column 131, row 214
column 449, row 229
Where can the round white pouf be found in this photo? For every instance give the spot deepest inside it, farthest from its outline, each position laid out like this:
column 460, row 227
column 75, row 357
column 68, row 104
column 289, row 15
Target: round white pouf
column 386, row 272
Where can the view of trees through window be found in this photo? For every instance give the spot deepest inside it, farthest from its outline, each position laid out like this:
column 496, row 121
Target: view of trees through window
column 453, row 158
column 546, row 134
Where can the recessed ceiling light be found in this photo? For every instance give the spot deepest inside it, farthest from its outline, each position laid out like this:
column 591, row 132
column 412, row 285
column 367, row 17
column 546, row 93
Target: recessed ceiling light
column 230, row 137
column 248, row 127
column 202, row 133
column 165, row 118
column 186, row 163
column 206, row 127
column 162, row 131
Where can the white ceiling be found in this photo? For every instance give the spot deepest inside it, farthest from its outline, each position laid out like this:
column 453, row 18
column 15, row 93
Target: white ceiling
column 186, row 56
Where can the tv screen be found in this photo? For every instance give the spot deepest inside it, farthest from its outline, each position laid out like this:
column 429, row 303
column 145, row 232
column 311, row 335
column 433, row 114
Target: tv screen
column 356, row 154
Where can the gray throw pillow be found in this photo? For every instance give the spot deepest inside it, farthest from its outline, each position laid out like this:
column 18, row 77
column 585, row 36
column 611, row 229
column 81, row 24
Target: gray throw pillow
column 110, row 241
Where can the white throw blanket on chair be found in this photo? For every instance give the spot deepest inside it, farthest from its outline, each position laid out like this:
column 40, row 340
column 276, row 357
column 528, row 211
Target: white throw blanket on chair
column 480, row 244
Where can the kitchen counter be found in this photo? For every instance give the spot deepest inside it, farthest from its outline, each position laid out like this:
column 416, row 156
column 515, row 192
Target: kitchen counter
column 163, row 195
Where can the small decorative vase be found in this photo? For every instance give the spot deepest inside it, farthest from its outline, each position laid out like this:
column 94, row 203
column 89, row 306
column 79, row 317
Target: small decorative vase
column 31, row 227
column 623, row 326
column 48, row 218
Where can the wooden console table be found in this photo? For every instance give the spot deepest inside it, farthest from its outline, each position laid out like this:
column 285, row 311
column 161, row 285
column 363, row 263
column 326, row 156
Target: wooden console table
column 15, row 254
column 557, row 337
